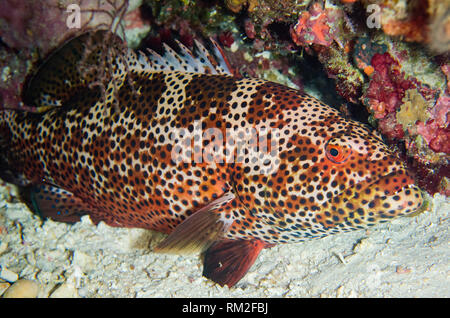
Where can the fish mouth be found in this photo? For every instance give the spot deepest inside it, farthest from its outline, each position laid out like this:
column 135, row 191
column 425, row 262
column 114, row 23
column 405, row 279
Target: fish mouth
column 394, row 194
column 376, row 201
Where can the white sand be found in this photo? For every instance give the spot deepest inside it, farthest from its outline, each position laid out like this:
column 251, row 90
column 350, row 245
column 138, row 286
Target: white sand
column 407, row 258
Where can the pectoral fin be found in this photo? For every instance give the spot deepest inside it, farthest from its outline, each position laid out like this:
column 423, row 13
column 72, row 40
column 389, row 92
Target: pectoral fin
column 200, row 230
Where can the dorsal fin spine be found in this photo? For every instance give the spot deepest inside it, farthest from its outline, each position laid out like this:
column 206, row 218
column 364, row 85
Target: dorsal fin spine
column 199, row 61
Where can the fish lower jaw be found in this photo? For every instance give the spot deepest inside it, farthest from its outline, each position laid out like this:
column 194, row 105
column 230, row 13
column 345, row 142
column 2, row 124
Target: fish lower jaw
column 384, row 198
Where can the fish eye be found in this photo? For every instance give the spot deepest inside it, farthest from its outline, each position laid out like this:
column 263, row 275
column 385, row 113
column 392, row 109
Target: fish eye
column 334, row 152
column 337, row 153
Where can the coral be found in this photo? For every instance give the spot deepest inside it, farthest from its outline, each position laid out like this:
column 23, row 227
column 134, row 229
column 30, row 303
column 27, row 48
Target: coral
column 422, row 21
column 226, row 39
column 13, row 71
column 444, row 186
column 407, row 19
column 43, row 24
column 363, row 51
column 135, row 24
column 413, row 109
column 446, row 70
column 348, row 79
column 403, row 96
column 30, row 30
column 238, row 5
column 204, row 18
column 269, row 11
column 21, row 21
column 249, row 29
column 436, row 131
column 439, row 27
column 391, row 128
column 318, row 26
column 387, row 86
column 432, row 178
column 324, row 30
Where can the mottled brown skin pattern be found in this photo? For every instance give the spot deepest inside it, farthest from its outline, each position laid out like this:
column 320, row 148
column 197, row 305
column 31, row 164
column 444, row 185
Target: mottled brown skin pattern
column 118, row 159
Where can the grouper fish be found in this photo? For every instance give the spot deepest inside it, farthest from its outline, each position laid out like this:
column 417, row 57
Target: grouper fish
column 173, row 142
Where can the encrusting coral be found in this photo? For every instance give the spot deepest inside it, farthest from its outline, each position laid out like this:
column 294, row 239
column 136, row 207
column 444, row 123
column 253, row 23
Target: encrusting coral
column 413, row 109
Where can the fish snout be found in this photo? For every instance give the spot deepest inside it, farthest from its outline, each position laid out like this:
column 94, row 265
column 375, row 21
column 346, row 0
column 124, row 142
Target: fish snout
column 396, row 194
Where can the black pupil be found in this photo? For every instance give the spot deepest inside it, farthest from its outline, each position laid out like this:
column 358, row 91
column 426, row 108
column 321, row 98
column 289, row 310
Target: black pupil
column 334, row 152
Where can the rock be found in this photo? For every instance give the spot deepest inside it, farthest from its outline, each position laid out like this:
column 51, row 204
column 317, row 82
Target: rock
column 23, row 288
column 3, row 286
column 83, row 260
column 3, row 247
column 65, row 290
column 8, row 275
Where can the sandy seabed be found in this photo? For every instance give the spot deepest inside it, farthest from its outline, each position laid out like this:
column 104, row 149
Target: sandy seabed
column 406, row 258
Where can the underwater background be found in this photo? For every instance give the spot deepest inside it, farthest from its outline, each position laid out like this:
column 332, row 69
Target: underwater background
column 385, row 63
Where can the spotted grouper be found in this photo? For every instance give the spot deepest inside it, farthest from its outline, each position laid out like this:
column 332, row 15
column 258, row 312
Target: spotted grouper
column 174, row 143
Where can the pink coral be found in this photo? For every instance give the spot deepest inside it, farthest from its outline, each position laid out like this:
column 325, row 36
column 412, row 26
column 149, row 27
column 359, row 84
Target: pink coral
column 436, row 131
column 446, row 70
column 437, row 138
column 385, row 95
column 387, row 86
column 441, row 110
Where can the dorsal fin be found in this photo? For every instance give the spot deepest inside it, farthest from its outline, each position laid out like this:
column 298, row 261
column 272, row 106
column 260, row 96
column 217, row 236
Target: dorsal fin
column 97, row 57
column 67, row 70
column 200, row 60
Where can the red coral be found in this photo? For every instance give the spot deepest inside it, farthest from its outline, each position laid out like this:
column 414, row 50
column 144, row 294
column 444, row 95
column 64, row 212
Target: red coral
column 226, row 38
column 387, row 86
column 430, row 178
column 316, row 26
column 390, row 127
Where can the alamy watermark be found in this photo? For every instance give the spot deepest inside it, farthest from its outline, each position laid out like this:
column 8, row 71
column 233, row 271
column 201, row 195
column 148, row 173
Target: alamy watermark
column 374, row 18
column 256, row 149
column 73, row 20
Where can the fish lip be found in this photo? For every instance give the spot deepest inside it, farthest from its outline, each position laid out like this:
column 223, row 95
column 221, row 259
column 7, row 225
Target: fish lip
column 402, row 173
column 375, row 201
column 403, row 185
